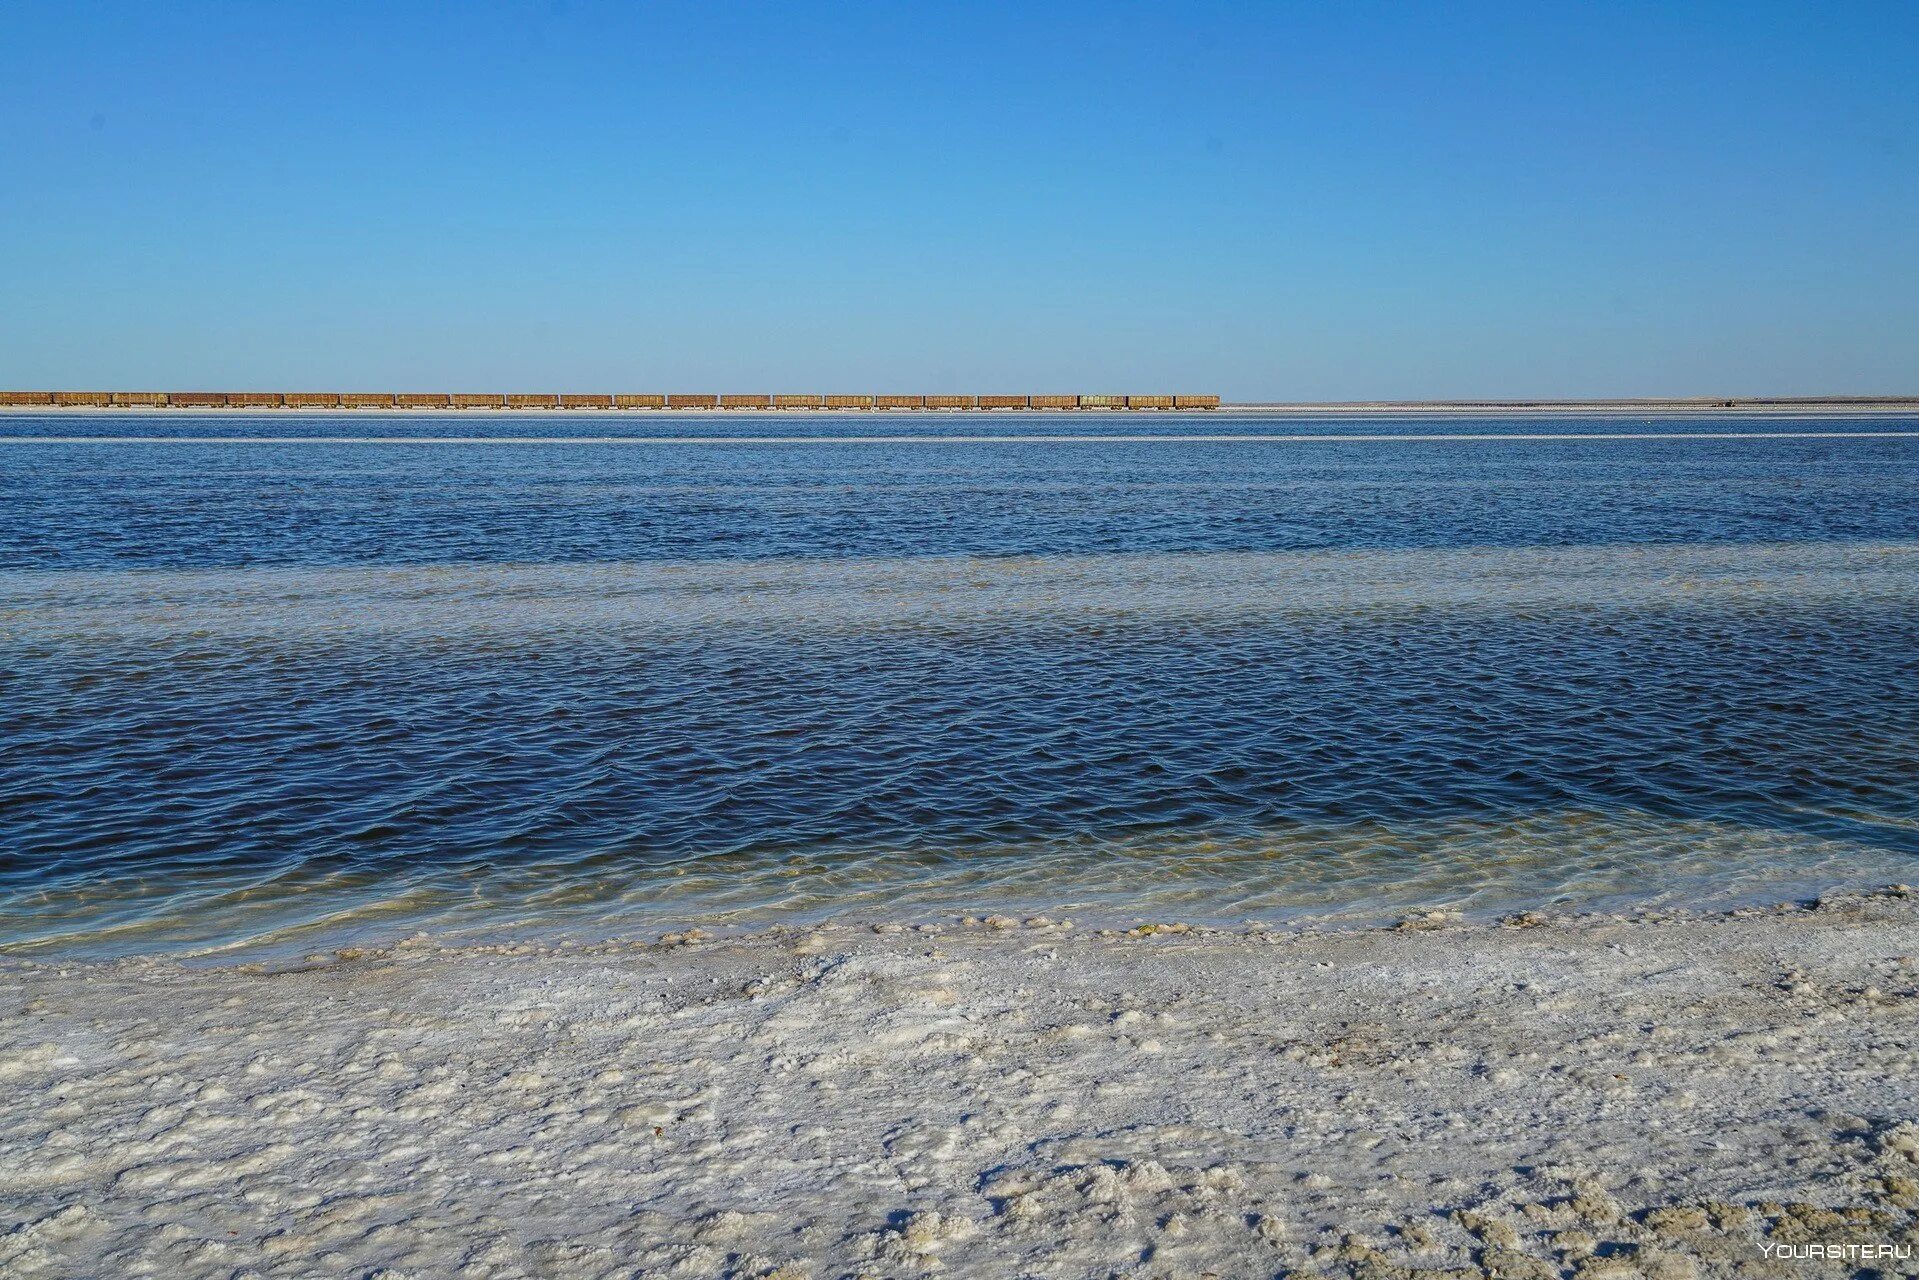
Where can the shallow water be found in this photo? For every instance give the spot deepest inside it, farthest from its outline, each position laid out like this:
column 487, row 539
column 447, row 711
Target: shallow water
column 290, row 693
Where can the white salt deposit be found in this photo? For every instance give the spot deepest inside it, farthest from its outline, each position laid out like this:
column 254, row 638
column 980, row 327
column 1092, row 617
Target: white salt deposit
column 1595, row 1097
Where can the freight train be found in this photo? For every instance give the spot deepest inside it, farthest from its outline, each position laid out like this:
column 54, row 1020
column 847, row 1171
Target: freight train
column 456, row 400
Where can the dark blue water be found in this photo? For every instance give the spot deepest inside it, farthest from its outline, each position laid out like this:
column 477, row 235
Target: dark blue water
column 98, row 505
column 287, row 690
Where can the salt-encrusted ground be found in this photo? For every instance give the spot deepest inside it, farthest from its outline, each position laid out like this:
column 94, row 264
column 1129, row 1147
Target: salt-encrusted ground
column 1596, row 1097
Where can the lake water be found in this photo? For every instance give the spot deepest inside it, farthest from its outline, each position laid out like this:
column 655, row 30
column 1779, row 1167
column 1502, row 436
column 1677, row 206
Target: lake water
column 284, row 680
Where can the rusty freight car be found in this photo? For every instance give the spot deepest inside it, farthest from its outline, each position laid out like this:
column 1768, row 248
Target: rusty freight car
column 532, row 402
column 423, row 400
column 746, row 402
column 366, row 399
column 899, row 402
column 640, row 401
column 849, row 402
column 472, row 400
column 197, row 399
column 798, row 402
column 948, row 402
column 586, row 402
column 1149, row 402
column 692, row 402
column 1196, row 402
column 139, row 399
column 1102, row 402
column 1002, row 402
column 256, row 400
column 26, row 397
column 1053, row 402
column 94, row 399
column 311, row 399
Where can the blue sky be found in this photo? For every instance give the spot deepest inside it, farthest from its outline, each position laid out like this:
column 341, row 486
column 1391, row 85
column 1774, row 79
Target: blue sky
column 1326, row 201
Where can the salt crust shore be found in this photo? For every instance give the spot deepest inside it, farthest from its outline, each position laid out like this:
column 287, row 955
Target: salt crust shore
column 1596, row 1097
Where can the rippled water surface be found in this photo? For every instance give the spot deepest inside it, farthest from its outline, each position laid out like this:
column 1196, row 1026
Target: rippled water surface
column 294, row 690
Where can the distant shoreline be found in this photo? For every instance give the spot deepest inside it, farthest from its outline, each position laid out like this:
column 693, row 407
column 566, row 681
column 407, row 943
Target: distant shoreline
column 1809, row 406
column 1795, row 405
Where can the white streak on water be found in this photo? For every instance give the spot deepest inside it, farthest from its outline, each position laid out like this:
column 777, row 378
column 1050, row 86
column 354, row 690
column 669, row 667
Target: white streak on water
column 1468, row 437
column 942, row 592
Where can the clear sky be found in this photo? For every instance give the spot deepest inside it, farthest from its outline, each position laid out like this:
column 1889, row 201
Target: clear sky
column 1271, row 201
